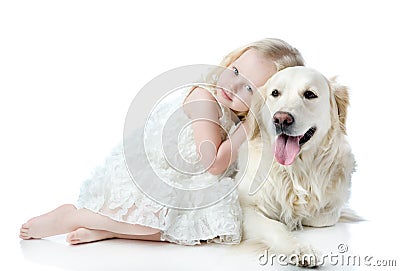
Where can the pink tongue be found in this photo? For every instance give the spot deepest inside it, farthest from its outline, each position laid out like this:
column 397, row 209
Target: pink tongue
column 286, row 149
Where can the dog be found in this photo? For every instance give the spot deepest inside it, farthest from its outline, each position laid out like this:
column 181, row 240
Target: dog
column 299, row 127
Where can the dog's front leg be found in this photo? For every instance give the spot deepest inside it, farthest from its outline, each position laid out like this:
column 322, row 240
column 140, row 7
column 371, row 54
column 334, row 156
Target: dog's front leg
column 271, row 232
column 277, row 238
column 323, row 220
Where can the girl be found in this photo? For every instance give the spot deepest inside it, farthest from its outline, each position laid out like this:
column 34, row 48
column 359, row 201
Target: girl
column 111, row 205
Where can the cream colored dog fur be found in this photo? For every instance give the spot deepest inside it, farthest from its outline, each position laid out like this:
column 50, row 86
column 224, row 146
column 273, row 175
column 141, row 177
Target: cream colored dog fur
column 311, row 182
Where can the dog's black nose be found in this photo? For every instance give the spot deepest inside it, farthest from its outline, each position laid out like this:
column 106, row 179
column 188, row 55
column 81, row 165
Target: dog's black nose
column 283, row 119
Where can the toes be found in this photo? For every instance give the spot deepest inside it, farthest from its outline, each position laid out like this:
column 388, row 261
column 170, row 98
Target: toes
column 28, row 223
column 73, row 238
column 70, row 236
column 24, row 236
column 25, row 225
column 306, row 256
column 73, row 241
column 23, row 230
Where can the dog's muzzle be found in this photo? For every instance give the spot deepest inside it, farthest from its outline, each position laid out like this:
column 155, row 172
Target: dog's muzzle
column 283, row 122
column 287, row 143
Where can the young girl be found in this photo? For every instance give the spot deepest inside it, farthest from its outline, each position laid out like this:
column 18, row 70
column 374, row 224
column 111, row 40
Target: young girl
column 112, row 205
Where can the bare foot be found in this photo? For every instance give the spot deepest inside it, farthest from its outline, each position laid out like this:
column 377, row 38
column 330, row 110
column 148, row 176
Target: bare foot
column 49, row 224
column 83, row 235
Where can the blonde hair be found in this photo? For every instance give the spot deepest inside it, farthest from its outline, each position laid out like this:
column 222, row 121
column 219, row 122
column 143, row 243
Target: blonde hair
column 281, row 53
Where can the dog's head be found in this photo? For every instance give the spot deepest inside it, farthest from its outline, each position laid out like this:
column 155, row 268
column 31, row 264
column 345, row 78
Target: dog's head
column 303, row 106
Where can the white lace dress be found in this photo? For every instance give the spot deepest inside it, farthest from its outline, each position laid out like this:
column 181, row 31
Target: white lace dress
column 208, row 208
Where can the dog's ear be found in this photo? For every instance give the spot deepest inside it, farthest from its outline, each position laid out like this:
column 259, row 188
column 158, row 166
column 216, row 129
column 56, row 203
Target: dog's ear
column 341, row 96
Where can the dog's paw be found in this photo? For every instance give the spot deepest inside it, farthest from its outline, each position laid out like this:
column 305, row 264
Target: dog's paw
column 305, row 256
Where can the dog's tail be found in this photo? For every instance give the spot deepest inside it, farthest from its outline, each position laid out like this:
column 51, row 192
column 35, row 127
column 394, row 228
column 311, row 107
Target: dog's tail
column 348, row 215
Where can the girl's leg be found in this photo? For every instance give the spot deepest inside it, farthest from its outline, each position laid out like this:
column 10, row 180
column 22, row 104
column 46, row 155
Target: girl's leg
column 67, row 218
column 83, row 235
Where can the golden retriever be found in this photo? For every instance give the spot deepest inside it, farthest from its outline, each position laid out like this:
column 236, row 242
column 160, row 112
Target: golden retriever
column 300, row 129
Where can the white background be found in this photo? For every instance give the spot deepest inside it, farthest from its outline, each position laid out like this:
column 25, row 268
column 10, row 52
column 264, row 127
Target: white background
column 69, row 70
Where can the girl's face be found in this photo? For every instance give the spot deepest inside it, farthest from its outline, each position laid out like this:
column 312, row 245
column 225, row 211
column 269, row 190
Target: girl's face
column 236, row 84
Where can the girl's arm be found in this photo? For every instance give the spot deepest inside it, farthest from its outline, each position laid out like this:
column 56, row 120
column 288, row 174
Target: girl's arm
column 228, row 150
column 215, row 155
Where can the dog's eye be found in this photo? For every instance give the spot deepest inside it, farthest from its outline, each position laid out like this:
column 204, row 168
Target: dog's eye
column 310, row 95
column 275, row 93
